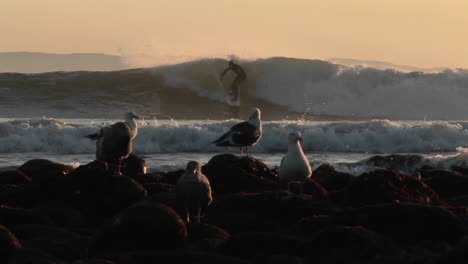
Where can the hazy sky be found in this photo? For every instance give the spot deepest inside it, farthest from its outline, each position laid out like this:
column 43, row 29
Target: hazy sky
column 424, row 33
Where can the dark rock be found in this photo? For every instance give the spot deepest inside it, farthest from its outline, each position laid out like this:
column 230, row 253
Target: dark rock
column 61, row 214
column 386, row 186
column 13, row 177
column 399, row 162
column 40, row 167
column 351, row 244
column 148, row 178
column 143, row 226
column 100, row 194
column 24, row 195
column 331, row 179
column 457, row 255
column 8, row 244
column 313, row 188
column 205, row 237
column 94, row 261
column 50, row 179
column 34, row 256
column 58, row 242
column 262, row 212
column 11, row 217
column 404, row 223
column 258, row 247
column 230, row 173
column 446, row 183
column 177, row 257
column 155, row 188
column 133, row 166
column 171, row 177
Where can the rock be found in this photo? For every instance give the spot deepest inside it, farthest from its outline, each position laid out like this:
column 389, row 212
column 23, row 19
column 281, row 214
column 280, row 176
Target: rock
column 262, row 212
column 148, row 178
column 386, row 186
column 30, row 256
column 404, row 223
column 155, row 188
column 313, row 188
column 13, row 177
column 351, row 244
column 205, row 237
column 396, row 162
column 8, row 244
column 50, row 179
column 24, row 195
column 229, row 173
column 259, row 247
column 446, row 183
column 456, row 255
column 94, row 261
column 40, row 167
column 55, row 241
column 331, row 179
column 177, row 257
column 11, row 217
column 100, row 194
column 171, row 177
column 134, row 166
column 143, row 226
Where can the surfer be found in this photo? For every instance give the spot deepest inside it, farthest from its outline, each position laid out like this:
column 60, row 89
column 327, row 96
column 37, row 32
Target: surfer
column 234, row 88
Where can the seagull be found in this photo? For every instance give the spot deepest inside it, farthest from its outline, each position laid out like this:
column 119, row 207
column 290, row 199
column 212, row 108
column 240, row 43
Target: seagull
column 195, row 190
column 244, row 134
column 115, row 142
column 295, row 166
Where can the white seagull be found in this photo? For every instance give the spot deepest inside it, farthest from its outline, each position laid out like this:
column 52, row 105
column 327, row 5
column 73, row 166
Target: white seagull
column 295, row 166
column 115, row 142
column 194, row 189
column 244, row 134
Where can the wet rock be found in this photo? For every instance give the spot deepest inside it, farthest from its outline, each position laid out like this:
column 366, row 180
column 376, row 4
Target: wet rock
column 259, row 246
column 351, row 244
column 100, row 194
column 399, row 162
column 24, row 195
column 94, row 261
column 11, row 217
column 133, row 166
column 262, row 212
column 171, row 177
column 205, row 237
column 230, row 173
column 148, row 178
column 178, row 257
column 331, row 179
column 446, row 183
column 13, row 177
column 55, row 241
column 143, row 226
column 386, row 186
column 41, row 167
column 155, row 188
column 30, row 256
column 313, row 188
column 456, row 255
column 8, row 244
column 404, row 223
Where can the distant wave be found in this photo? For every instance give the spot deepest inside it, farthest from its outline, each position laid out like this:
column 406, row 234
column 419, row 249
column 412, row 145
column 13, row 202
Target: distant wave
column 280, row 86
column 378, row 136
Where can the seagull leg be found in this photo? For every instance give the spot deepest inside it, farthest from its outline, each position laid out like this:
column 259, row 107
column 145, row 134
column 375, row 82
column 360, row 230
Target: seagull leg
column 198, row 214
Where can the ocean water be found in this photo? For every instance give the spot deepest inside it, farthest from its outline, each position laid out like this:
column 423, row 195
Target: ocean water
column 169, row 144
column 347, row 115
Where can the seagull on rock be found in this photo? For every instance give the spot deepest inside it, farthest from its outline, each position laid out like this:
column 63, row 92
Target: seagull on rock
column 244, row 134
column 114, row 143
column 295, row 166
column 194, row 190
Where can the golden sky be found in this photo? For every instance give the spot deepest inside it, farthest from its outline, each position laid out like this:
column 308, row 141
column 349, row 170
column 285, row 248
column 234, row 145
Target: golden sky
column 423, row 33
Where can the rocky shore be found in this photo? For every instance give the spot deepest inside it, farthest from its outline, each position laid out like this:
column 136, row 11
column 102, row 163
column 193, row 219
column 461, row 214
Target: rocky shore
column 54, row 213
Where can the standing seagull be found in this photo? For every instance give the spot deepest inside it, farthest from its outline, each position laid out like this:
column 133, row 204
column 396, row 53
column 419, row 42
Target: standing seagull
column 244, row 134
column 194, row 189
column 115, row 142
column 294, row 167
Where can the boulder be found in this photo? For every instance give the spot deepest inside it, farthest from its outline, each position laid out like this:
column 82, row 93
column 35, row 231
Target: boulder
column 11, row 217
column 8, row 244
column 331, row 179
column 351, row 244
column 386, row 186
column 134, row 166
column 228, row 173
column 13, row 177
column 143, row 226
column 144, row 257
column 29, row 256
column 41, row 167
column 446, row 183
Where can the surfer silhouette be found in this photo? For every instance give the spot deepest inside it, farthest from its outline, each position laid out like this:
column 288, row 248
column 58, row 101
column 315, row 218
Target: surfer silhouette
column 241, row 76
